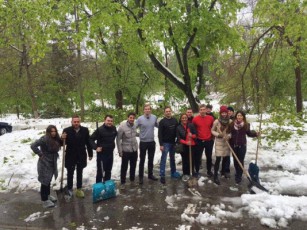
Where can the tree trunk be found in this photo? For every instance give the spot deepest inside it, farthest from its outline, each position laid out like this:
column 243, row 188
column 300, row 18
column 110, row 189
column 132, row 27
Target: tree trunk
column 30, row 87
column 119, row 99
column 78, row 70
column 298, row 86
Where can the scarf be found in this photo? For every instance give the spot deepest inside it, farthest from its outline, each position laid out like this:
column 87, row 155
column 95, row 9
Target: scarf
column 224, row 121
column 238, row 125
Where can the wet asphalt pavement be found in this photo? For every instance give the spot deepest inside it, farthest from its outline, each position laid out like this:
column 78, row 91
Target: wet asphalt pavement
column 136, row 207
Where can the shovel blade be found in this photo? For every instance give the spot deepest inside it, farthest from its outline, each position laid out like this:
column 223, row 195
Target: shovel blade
column 256, row 187
column 192, row 182
column 253, row 170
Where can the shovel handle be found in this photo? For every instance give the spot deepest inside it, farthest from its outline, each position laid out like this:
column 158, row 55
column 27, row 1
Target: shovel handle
column 237, row 159
column 258, row 139
column 63, row 162
column 190, row 158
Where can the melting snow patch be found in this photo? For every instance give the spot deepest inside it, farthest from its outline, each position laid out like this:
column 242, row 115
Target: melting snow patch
column 126, row 208
column 33, row 217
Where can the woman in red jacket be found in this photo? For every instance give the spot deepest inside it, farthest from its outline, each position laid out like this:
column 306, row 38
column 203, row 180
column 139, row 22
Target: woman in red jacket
column 186, row 135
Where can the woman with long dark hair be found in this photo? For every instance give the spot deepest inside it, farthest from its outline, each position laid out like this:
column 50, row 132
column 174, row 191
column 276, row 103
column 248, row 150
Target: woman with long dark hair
column 47, row 148
column 239, row 129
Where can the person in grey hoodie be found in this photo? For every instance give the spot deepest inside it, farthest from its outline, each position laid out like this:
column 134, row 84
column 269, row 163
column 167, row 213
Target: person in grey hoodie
column 147, row 123
column 127, row 148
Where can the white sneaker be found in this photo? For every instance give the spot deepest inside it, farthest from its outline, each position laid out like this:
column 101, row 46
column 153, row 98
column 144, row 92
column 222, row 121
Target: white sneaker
column 48, row 204
column 52, row 198
column 185, row 178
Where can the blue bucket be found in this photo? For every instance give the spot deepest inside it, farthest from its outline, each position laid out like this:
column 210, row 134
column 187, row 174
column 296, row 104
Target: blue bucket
column 104, row 190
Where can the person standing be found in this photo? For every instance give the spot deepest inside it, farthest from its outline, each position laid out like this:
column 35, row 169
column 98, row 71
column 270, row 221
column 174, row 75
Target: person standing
column 47, row 148
column 239, row 128
column 103, row 141
column 146, row 123
column 220, row 130
column 167, row 137
column 209, row 110
column 203, row 124
column 231, row 112
column 189, row 114
column 77, row 142
column 127, row 146
column 186, row 134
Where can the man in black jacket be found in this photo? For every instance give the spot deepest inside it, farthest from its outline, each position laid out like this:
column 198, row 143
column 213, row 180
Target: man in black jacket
column 167, row 137
column 102, row 140
column 77, row 141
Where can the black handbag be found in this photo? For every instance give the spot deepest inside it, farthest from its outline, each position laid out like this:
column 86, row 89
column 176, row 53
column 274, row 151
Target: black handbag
column 179, row 148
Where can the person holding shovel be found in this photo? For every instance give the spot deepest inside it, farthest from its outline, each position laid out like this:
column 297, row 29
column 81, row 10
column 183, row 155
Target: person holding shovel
column 47, row 148
column 186, row 134
column 77, row 142
column 220, row 130
column 239, row 129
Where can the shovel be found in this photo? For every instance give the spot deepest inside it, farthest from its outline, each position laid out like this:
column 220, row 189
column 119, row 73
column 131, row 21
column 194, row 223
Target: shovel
column 254, row 186
column 253, row 168
column 63, row 164
column 192, row 182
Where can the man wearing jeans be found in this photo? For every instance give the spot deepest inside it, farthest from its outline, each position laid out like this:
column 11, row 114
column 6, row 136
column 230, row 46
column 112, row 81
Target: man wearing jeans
column 146, row 123
column 167, row 136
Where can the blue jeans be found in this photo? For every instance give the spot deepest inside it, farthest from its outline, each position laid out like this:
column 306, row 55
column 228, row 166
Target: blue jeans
column 167, row 148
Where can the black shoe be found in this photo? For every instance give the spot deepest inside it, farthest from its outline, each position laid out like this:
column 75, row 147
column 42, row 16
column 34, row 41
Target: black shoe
column 216, row 180
column 141, row 180
column 162, row 180
column 152, row 177
column 209, row 174
column 238, row 180
column 227, row 175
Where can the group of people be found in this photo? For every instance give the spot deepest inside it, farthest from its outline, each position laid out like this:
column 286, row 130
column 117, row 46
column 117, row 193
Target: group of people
column 195, row 134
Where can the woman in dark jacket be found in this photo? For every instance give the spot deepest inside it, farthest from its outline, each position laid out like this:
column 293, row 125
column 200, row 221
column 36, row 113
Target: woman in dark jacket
column 239, row 128
column 186, row 135
column 47, row 148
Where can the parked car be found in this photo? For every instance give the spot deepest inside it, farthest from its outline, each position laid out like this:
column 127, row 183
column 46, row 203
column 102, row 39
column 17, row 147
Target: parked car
column 5, row 128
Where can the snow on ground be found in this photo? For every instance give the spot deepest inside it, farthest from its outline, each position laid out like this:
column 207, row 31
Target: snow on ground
column 283, row 171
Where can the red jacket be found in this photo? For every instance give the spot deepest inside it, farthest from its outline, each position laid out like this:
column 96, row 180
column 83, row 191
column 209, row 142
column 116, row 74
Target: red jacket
column 203, row 126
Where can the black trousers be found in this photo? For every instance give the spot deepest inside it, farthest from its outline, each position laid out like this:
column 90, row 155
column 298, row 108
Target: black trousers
column 45, row 192
column 149, row 147
column 200, row 146
column 225, row 164
column 186, row 160
column 240, row 151
column 104, row 166
column 70, row 176
column 126, row 158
